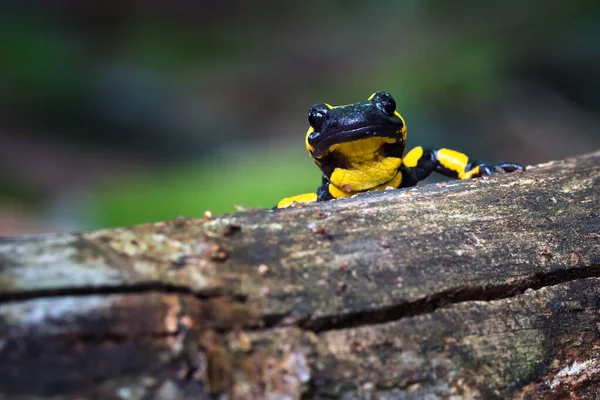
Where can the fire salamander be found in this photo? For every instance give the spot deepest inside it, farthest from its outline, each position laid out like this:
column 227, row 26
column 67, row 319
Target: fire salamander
column 360, row 147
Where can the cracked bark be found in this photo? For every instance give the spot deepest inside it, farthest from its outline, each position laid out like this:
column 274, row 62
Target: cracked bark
column 478, row 289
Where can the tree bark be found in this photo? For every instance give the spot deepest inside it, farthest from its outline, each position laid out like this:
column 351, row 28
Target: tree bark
column 488, row 288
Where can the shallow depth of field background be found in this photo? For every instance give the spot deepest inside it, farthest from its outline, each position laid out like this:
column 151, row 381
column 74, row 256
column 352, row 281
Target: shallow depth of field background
column 122, row 112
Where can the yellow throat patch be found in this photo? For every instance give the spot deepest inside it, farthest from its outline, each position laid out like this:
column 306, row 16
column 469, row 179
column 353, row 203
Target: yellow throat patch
column 367, row 167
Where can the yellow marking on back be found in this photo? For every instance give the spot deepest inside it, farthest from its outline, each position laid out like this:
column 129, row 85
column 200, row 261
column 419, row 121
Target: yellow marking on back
column 412, row 158
column 453, row 160
column 305, row 198
column 367, row 166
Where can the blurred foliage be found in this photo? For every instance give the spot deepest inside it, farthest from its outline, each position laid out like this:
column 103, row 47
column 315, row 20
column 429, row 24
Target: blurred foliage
column 255, row 178
column 158, row 109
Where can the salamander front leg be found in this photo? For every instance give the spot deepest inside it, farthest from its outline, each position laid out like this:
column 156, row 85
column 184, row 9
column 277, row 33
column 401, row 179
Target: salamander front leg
column 321, row 194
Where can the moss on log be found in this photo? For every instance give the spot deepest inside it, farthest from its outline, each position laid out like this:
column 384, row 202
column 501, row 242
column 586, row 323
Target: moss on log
column 487, row 288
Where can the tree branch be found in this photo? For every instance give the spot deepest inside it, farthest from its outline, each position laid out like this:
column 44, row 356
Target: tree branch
column 478, row 289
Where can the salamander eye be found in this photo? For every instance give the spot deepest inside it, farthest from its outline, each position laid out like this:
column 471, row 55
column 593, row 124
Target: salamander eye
column 385, row 102
column 317, row 115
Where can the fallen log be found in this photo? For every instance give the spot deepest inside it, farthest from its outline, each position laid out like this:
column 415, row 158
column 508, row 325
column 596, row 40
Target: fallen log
column 487, row 288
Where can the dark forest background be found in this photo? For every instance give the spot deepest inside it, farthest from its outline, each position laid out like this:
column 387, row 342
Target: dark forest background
column 122, row 112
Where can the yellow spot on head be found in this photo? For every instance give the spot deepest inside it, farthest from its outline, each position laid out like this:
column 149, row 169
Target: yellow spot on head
column 403, row 124
column 308, row 146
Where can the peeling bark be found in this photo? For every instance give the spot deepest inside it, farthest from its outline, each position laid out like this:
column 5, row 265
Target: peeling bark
column 478, row 289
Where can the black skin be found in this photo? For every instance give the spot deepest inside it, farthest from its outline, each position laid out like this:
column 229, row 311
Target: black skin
column 377, row 117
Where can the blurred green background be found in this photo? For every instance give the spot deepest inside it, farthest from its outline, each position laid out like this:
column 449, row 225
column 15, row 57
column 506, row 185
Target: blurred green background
column 122, row 112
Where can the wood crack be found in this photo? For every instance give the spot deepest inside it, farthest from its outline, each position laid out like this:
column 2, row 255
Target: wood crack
column 382, row 315
column 439, row 300
column 139, row 288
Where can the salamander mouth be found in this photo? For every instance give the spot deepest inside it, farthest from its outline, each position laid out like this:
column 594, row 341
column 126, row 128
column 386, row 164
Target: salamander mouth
column 382, row 131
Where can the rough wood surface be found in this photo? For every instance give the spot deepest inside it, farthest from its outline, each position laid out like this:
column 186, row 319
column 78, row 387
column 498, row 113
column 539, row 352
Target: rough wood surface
column 479, row 289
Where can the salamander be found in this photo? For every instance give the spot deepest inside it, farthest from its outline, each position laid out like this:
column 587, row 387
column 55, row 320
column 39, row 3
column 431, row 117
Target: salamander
column 360, row 147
